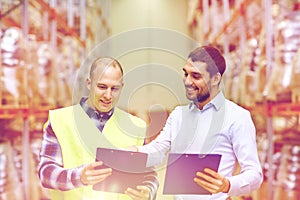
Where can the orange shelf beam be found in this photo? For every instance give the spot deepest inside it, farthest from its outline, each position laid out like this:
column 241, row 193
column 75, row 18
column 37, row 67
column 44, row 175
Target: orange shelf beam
column 275, row 109
column 283, row 109
column 10, row 112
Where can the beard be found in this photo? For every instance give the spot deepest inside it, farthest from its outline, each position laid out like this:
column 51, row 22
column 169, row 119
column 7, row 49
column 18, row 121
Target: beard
column 202, row 97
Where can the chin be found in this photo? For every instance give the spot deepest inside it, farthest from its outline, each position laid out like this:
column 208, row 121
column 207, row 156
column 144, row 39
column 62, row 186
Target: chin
column 191, row 98
column 107, row 109
column 104, row 108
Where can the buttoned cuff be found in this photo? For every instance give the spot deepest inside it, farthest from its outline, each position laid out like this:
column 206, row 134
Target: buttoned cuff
column 237, row 186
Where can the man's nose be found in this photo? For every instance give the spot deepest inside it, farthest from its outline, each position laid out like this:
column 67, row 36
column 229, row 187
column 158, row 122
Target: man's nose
column 187, row 80
column 108, row 93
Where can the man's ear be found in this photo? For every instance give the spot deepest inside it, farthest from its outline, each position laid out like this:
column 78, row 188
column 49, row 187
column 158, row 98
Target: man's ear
column 217, row 79
column 88, row 83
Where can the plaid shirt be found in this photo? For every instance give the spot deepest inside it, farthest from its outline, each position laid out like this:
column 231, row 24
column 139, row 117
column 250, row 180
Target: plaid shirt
column 51, row 171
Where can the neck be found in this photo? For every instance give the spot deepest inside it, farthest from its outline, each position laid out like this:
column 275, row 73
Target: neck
column 88, row 102
column 200, row 105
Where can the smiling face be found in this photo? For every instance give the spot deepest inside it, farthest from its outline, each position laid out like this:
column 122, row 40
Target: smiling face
column 105, row 87
column 200, row 87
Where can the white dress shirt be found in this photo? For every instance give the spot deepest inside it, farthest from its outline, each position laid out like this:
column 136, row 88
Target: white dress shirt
column 221, row 127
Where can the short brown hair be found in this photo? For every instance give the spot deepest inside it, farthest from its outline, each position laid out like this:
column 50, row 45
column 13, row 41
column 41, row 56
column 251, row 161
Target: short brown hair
column 211, row 56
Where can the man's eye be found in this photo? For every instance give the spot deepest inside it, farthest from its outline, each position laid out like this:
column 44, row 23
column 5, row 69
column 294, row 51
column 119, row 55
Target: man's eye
column 115, row 89
column 197, row 76
column 102, row 87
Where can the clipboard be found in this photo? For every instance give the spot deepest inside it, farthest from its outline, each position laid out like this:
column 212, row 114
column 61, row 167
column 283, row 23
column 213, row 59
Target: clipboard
column 181, row 170
column 128, row 169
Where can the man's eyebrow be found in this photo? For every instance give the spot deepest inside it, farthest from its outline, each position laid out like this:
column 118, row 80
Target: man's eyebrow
column 101, row 84
column 196, row 73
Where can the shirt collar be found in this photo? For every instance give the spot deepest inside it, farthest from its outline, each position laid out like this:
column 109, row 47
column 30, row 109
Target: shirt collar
column 216, row 102
column 90, row 111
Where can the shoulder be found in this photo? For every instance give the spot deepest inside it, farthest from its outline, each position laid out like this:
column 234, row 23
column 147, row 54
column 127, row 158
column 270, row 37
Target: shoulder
column 181, row 108
column 235, row 109
column 64, row 108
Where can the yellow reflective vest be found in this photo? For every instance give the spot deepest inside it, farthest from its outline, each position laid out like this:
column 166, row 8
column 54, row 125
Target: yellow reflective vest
column 79, row 137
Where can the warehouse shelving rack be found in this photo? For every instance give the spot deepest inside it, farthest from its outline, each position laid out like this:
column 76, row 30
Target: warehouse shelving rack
column 10, row 112
column 24, row 112
column 234, row 16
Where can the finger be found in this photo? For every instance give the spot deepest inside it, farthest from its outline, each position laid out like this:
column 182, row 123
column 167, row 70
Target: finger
column 212, row 184
column 143, row 189
column 89, row 175
column 212, row 173
column 133, row 194
column 94, row 165
column 211, row 177
column 205, row 177
column 207, row 182
column 97, row 172
column 206, row 185
column 96, row 168
column 141, row 193
column 96, row 179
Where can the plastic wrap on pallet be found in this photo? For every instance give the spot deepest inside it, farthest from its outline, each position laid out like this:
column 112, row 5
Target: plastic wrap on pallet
column 9, row 185
column 13, row 66
column 288, row 173
column 280, row 87
column 47, row 85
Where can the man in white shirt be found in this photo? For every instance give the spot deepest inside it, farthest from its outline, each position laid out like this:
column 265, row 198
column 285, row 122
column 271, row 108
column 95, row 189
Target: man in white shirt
column 211, row 124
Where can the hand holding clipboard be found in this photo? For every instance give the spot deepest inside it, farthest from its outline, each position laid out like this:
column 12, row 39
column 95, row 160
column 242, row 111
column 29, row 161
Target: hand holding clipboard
column 212, row 181
column 184, row 167
column 128, row 169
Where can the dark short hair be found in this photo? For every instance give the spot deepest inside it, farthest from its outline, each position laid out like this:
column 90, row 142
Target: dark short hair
column 211, row 56
column 105, row 61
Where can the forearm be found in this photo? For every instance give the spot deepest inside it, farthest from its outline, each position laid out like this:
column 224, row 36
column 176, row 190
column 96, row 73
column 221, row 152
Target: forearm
column 58, row 178
column 156, row 150
column 50, row 170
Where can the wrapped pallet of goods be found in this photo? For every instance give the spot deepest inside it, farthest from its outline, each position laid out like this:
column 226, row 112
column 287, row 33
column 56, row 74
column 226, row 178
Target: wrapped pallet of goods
column 247, row 86
column 14, row 63
column 288, row 173
column 47, row 86
column 195, row 19
column 295, row 83
column 65, row 69
column 261, row 67
column 10, row 187
column 228, row 77
column 16, row 145
column 279, row 85
column 232, row 77
column 42, row 46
